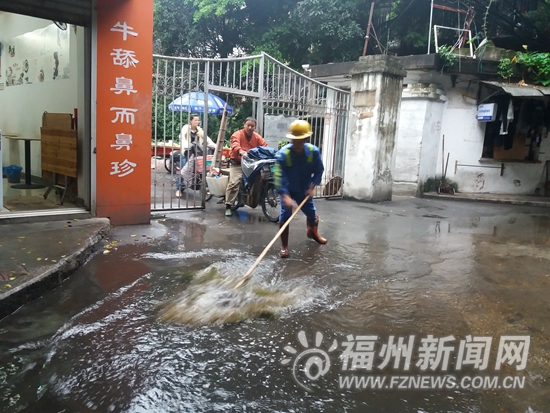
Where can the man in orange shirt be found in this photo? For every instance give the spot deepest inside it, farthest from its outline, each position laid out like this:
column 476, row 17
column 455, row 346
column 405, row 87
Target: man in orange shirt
column 241, row 142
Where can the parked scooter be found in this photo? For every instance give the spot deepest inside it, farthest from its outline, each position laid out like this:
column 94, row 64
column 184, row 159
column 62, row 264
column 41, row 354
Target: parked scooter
column 176, row 162
column 173, row 163
column 258, row 187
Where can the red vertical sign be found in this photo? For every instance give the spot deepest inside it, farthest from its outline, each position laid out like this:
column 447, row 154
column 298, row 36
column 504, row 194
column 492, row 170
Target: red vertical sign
column 124, row 97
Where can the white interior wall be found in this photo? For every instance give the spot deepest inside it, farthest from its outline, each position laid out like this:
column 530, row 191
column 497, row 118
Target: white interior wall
column 22, row 106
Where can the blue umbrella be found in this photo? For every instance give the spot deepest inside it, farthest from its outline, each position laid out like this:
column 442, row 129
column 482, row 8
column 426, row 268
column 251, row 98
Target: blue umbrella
column 194, row 102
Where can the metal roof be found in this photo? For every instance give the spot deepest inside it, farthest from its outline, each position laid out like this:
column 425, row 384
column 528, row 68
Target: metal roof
column 520, row 91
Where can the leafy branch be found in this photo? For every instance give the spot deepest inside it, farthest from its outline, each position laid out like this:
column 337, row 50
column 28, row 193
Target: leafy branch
column 535, row 63
column 449, row 58
column 505, row 69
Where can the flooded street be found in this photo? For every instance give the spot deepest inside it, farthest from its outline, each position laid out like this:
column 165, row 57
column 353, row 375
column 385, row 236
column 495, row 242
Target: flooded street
column 414, row 272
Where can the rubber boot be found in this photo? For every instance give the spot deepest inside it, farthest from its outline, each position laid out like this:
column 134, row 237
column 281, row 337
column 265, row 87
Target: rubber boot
column 312, row 233
column 284, row 253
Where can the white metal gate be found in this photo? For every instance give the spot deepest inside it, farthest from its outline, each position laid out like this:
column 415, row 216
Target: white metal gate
column 279, row 96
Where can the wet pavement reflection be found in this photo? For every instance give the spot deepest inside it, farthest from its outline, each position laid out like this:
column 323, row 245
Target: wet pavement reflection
column 405, row 268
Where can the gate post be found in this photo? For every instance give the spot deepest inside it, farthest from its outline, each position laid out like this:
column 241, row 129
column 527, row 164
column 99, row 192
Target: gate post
column 376, row 87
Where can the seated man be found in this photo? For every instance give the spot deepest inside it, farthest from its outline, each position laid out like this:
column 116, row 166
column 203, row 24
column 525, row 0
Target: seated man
column 241, row 142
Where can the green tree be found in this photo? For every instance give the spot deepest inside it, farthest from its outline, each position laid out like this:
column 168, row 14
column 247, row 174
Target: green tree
column 312, row 31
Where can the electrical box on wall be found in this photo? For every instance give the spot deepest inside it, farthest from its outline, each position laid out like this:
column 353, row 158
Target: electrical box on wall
column 486, row 112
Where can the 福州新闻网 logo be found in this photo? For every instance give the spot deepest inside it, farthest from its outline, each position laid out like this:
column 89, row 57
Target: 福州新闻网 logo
column 429, row 363
column 311, row 363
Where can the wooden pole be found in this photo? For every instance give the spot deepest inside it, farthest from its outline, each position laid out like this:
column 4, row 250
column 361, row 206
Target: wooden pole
column 262, row 255
column 368, row 30
column 219, row 142
column 443, row 157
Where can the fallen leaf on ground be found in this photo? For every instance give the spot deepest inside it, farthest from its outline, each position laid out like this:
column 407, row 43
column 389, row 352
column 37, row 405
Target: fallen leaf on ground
column 39, row 259
column 63, row 256
column 12, row 278
column 7, row 285
column 54, row 261
column 106, row 251
column 20, row 237
column 133, row 235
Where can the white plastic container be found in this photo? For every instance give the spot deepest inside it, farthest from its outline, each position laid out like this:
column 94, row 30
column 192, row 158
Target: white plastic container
column 217, row 185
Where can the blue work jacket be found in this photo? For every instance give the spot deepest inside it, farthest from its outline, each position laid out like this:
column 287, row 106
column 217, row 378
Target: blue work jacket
column 296, row 173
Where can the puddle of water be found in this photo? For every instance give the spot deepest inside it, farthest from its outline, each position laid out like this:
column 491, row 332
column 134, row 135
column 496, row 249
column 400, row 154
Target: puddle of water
column 144, row 329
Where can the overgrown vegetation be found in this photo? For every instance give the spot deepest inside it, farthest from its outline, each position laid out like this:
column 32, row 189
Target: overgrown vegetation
column 449, row 58
column 431, row 184
column 505, row 69
column 535, row 66
column 323, row 31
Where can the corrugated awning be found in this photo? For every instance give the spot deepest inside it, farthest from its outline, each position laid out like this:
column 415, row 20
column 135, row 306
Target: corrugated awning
column 520, row 91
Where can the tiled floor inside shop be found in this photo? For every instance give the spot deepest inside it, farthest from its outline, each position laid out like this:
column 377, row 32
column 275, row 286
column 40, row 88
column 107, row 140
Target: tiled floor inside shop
column 22, row 200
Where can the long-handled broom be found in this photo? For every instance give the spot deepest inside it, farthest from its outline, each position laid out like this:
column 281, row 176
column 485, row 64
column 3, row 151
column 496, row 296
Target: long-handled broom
column 262, row 255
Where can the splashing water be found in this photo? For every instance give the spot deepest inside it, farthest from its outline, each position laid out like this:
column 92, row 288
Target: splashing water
column 213, row 299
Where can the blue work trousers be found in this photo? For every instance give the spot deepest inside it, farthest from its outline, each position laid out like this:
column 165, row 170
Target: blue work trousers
column 308, row 209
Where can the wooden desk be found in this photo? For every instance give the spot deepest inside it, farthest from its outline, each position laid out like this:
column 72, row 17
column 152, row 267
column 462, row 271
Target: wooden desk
column 28, row 184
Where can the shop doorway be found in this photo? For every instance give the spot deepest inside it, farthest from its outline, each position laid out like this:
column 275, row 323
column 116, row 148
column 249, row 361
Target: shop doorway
column 45, row 114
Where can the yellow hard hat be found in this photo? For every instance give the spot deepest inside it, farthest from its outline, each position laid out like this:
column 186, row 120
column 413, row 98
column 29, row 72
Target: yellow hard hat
column 299, row 129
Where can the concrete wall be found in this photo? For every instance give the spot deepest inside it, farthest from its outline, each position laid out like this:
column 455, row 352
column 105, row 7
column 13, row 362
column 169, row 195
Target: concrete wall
column 22, row 106
column 376, row 89
column 430, row 150
column 418, row 137
column 423, row 121
column 464, row 137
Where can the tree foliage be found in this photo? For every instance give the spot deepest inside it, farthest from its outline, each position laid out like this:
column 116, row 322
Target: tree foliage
column 507, row 23
column 535, row 65
column 307, row 31
column 324, row 31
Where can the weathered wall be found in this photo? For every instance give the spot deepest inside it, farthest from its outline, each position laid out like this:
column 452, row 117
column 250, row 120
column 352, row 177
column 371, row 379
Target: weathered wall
column 418, row 149
column 464, row 140
column 418, row 137
column 376, row 89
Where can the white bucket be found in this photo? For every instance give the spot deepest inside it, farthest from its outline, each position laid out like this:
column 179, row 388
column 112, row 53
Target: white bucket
column 217, row 186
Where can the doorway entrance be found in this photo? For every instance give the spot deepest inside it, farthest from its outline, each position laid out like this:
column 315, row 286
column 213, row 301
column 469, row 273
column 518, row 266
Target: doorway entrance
column 44, row 101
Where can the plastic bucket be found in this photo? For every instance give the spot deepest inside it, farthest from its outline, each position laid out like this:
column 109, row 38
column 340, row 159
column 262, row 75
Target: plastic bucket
column 13, row 173
column 217, row 186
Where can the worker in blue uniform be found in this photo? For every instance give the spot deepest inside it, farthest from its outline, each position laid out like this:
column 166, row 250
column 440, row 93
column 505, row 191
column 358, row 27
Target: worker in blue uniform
column 298, row 170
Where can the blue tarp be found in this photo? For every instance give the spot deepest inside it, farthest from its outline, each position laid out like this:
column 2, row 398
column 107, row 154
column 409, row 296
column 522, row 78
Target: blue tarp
column 253, row 161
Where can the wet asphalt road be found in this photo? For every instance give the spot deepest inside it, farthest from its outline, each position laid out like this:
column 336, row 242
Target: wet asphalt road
column 410, row 269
